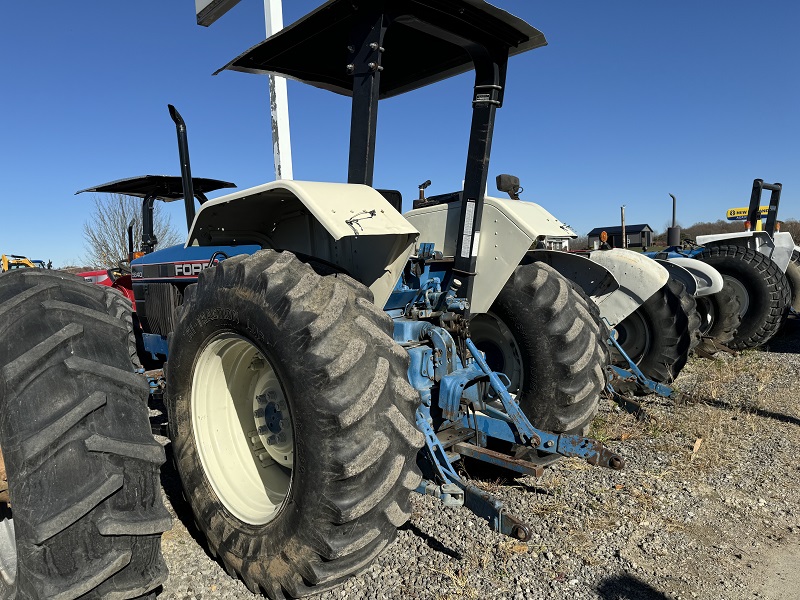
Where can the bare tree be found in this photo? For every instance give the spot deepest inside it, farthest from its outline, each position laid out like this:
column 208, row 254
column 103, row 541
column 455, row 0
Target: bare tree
column 793, row 227
column 106, row 232
column 579, row 243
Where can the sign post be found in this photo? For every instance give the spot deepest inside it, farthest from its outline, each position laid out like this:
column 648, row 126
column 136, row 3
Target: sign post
column 209, row 11
column 278, row 100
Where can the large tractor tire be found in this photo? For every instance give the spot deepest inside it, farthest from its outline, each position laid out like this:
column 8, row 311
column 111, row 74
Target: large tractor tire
column 292, row 422
column 719, row 318
column 689, row 305
column 656, row 337
column 82, row 512
column 541, row 333
column 762, row 289
column 793, row 277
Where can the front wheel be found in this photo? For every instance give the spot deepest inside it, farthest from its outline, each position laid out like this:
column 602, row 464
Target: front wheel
column 541, row 333
column 292, row 422
column 719, row 317
column 657, row 337
column 761, row 288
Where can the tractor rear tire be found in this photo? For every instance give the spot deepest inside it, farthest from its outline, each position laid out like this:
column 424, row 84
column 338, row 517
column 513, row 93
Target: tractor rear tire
column 793, row 277
column 719, row 318
column 761, row 287
column 85, row 514
column 689, row 306
column 541, row 333
column 292, row 422
column 656, row 337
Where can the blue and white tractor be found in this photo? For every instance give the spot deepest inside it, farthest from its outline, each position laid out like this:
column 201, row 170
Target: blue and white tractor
column 760, row 267
column 320, row 361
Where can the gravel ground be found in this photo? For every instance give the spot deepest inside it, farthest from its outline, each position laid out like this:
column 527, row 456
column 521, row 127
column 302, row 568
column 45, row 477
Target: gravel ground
column 708, row 506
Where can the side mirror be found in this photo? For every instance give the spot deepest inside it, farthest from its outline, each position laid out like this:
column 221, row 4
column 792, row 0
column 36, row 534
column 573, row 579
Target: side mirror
column 510, row 185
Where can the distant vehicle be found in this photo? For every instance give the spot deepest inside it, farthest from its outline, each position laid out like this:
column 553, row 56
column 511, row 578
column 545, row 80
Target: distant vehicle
column 119, row 279
column 14, row 261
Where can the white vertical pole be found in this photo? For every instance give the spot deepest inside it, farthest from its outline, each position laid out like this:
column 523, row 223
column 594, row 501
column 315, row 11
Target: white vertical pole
column 624, row 237
column 278, row 100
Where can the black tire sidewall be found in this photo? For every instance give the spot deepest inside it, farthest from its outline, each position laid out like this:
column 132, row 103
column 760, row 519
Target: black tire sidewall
column 763, row 315
column 666, row 323
column 548, row 385
column 793, row 278
column 344, row 380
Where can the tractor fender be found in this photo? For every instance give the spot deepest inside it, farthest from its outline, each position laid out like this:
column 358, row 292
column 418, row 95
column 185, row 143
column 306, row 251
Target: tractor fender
column 678, row 272
column 778, row 247
column 784, row 246
column 509, row 228
column 639, row 278
column 349, row 225
column 708, row 279
column 592, row 277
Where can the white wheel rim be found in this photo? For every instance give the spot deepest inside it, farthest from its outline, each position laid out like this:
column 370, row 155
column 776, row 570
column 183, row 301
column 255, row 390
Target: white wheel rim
column 242, row 428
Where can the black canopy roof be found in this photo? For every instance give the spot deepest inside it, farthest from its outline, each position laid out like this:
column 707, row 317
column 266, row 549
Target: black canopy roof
column 163, row 187
column 425, row 43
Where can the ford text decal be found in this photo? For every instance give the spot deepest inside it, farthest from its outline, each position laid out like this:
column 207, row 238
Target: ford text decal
column 179, row 270
column 190, row 269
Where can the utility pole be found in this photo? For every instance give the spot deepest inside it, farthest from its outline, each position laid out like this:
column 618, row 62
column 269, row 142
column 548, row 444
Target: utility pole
column 278, row 100
column 208, row 11
column 624, row 237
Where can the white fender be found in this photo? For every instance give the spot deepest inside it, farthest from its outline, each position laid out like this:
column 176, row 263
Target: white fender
column 593, row 278
column 509, row 229
column 678, row 272
column 639, row 278
column 709, row 280
column 351, row 226
column 778, row 247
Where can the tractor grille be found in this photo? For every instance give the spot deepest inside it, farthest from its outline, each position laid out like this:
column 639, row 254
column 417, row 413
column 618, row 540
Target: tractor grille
column 161, row 300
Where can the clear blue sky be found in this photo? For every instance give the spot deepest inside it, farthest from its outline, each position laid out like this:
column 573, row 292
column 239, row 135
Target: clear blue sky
column 629, row 101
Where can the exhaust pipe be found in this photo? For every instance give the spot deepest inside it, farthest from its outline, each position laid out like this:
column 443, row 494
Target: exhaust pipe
column 186, row 171
column 130, row 241
column 674, row 232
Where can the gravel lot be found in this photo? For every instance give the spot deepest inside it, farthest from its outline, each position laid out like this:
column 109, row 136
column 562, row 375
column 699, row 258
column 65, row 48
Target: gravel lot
column 707, row 507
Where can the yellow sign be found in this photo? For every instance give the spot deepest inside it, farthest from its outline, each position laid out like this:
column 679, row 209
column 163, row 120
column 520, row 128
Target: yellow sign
column 740, row 214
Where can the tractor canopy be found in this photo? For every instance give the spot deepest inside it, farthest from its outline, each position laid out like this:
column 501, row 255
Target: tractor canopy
column 375, row 49
column 426, row 41
column 160, row 187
